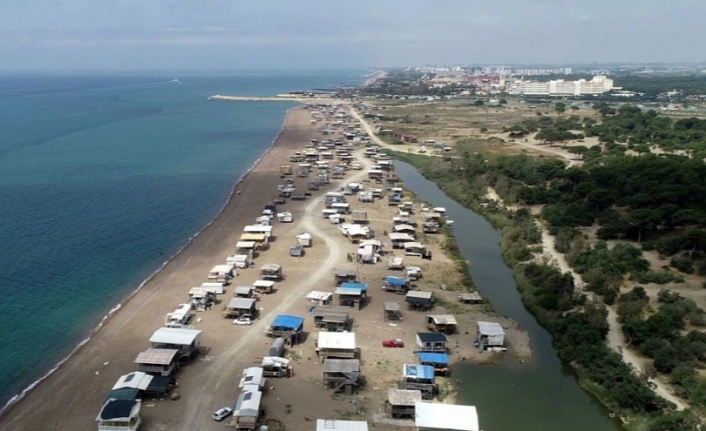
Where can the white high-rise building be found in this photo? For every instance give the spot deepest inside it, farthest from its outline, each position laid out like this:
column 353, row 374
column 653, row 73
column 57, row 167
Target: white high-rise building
column 598, row 85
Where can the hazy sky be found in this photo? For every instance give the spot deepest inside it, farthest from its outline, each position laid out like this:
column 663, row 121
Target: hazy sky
column 237, row 34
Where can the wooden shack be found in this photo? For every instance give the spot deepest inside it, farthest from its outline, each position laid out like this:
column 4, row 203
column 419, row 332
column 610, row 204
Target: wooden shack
column 340, row 345
column 419, row 378
column 400, row 403
column 419, row 300
column 445, row 323
column 271, row 271
column 342, row 275
column 392, row 311
column 342, row 374
column 331, row 318
column 158, row 362
column 240, row 307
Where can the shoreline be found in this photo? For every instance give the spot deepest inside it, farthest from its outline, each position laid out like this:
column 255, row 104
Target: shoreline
column 16, row 399
column 114, row 310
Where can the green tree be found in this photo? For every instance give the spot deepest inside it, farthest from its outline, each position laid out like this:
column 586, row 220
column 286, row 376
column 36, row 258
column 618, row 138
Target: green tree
column 478, row 103
column 560, row 107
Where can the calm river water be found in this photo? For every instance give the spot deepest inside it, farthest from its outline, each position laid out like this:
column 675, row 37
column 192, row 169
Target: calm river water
column 542, row 394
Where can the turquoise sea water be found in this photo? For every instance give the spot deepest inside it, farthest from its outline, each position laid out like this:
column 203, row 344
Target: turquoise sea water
column 102, row 179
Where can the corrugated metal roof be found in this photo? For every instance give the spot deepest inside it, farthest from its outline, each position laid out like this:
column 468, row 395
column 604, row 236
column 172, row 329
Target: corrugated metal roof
column 137, row 380
column 431, row 337
column 178, row 336
column 321, row 296
column 445, row 416
column 392, row 306
column 348, row 291
column 442, row 319
column 156, row 356
column 241, row 303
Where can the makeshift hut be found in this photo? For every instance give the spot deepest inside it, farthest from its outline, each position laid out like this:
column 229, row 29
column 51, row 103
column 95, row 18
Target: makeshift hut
column 419, row 378
column 440, row 362
column 392, row 311
column 351, row 294
column 342, row 374
column 397, row 285
column 273, row 366
column 317, row 299
column 158, row 362
column 400, row 402
column 288, row 327
column 271, row 271
column 186, row 341
column 419, row 300
column 332, row 318
column 240, row 307
column 180, row 317
column 119, row 415
column 491, row 334
column 338, row 425
column 342, row 275
column 445, row 323
column 243, row 292
column 431, row 342
column 340, row 345
column 264, row 286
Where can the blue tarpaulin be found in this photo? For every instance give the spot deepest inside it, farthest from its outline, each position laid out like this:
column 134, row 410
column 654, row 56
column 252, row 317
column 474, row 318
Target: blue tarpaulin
column 287, row 321
column 415, row 371
column 359, row 286
column 396, row 281
column 434, row 358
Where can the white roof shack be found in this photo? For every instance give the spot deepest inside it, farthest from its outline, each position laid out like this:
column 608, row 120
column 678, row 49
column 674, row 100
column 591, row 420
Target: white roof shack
column 264, row 283
column 334, row 425
column 493, row 331
column 221, row 269
column 448, row 417
column 337, row 340
column 176, row 336
column 318, row 296
column 401, row 237
column 258, row 228
column 135, row 380
column 245, row 244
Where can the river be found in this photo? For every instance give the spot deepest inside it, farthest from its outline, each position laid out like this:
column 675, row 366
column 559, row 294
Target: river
column 542, row 394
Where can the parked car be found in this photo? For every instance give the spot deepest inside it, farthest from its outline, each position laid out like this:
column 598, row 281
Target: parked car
column 243, row 320
column 223, row 413
column 393, row 343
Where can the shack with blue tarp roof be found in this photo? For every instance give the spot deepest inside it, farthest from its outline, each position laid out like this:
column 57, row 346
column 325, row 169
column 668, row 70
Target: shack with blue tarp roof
column 394, row 284
column 351, row 294
column 419, row 377
column 288, row 327
column 440, row 362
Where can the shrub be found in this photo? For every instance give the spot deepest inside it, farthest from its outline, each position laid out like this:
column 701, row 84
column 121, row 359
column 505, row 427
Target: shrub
column 683, row 264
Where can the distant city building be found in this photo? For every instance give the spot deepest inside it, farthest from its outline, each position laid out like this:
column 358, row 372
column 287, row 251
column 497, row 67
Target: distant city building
column 598, row 85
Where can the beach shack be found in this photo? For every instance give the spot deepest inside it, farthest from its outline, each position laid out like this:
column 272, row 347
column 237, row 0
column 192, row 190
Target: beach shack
column 304, row 239
column 288, row 327
column 245, row 247
column 215, row 288
column 392, row 311
column 351, row 294
column 413, row 272
column 430, row 227
column 119, row 415
column 341, row 207
column 264, row 286
column 253, row 376
column 399, row 239
column 240, row 307
column 259, row 239
column 359, row 217
column 271, row 271
column 397, row 285
column 395, row 262
column 490, row 334
column 221, row 273
column 404, row 228
column 440, row 362
column 400, row 403
column 445, row 323
column 419, row 300
column 284, row 217
column 317, row 299
column 332, row 318
column 375, row 174
column 246, row 410
column 338, row 425
column 137, row 384
column 445, row 417
column 238, row 260
column 158, row 362
column 431, row 342
column 342, row 275
column 243, row 292
column 470, row 297
column 186, row 341
column 420, row 378
column 201, row 298
column 259, row 229
column 342, row 374
column 179, row 317
column 415, row 249
column 340, row 345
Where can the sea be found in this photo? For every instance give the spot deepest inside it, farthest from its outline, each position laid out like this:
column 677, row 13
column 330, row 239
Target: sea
column 103, row 178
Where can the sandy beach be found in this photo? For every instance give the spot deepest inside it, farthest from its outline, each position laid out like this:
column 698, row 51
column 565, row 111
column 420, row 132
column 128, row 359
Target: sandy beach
column 71, row 398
